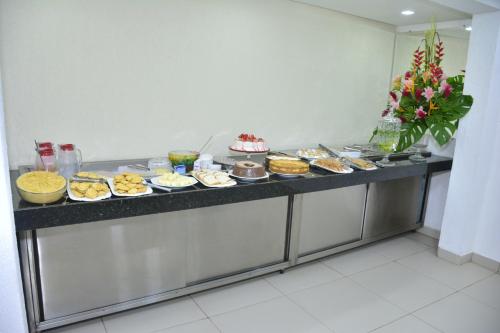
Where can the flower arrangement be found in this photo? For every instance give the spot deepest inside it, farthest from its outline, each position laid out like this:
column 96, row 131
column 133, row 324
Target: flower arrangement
column 425, row 98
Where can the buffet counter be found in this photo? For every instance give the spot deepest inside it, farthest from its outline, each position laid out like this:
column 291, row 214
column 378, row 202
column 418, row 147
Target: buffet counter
column 82, row 260
column 31, row 216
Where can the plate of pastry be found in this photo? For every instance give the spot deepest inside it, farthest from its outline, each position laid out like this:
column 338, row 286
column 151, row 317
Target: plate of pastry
column 128, row 184
column 332, row 164
column 88, row 191
column 312, row 153
column 248, row 171
column 214, row 178
column 362, row 164
column 174, row 181
column 288, row 168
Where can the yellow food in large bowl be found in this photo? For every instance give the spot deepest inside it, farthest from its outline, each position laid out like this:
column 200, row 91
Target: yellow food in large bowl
column 41, row 187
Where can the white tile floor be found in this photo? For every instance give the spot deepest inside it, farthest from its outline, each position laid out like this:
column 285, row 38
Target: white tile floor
column 394, row 286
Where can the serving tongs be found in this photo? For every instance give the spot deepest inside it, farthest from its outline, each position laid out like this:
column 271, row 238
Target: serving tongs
column 334, row 154
column 280, row 153
column 88, row 180
column 344, row 160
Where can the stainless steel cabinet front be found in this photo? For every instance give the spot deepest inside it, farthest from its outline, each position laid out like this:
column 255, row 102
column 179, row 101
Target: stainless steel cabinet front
column 329, row 218
column 236, row 237
column 92, row 265
column 393, row 206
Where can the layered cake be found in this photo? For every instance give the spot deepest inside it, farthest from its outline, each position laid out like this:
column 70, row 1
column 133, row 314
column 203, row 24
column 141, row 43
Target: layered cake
column 288, row 167
column 249, row 143
column 248, row 169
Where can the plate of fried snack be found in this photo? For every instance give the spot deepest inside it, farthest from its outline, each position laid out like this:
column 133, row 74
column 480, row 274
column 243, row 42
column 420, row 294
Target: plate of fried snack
column 214, row 178
column 362, row 164
column 332, row 164
column 128, row 184
column 173, row 180
column 88, row 190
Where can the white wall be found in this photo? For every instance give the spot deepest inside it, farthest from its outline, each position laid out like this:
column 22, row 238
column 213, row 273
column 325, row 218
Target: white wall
column 123, row 78
column 12, row 311
column 472, row 213
column 454, row 61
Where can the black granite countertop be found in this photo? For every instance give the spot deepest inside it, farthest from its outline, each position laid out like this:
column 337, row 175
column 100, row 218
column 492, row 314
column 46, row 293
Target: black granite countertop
column 65, row 212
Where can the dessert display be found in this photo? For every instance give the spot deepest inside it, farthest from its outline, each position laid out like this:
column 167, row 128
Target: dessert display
column 88, row 190
column 249, row 143
column 128, row 184
column 248, row 169
column 288, row 167
column 332, row 164
column 41, row 187
column 312, row 153
column 183, row 157
column 362, row 164
column 174, row 180
column 213, row 178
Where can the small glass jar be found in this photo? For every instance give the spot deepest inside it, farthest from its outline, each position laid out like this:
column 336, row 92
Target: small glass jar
column 160, row 165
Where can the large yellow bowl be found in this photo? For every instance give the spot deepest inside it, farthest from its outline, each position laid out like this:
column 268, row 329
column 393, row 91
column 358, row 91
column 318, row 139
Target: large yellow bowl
column 39, row 197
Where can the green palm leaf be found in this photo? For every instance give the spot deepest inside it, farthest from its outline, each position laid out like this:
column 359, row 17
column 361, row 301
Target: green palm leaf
column 410, row 133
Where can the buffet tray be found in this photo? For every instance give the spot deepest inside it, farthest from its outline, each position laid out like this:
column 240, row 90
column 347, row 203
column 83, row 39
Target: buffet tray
column 149, row 190
column 346, row 170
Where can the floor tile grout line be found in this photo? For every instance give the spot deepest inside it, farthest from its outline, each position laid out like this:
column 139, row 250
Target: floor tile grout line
column 177, row 325
column 381, row 297
column 310, row 314
column 434, row 302
column 215, row 324
column 433, row 278
column 478, row 281
column 406, row 315
column 306, row 288
column 198, row 306
column 477, row 300
column 423, row 321
column 245, row 306
column 102, row 323
column 367, row 269
column 408, row 311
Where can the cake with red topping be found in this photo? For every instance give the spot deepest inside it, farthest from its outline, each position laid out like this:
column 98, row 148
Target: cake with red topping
column 249, row 143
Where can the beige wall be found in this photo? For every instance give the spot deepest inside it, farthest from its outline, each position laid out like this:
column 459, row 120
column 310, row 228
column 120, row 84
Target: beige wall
column 454, row 60
column 126, row 78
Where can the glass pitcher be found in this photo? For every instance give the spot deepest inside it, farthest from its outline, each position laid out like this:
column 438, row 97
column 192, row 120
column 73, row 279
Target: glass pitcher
column 388, row 137
column 69, row 160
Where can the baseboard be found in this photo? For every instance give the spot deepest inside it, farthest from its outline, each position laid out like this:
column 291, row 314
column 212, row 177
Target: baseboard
column 487, row 263
column 456, row 259
column 433, row 233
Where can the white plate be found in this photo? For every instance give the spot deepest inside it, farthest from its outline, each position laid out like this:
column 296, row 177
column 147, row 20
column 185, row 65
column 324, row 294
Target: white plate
column 346, row 170
column 149, row 190
column 156, row 181
column 311, row 158
column 230, row 183
column 74, row 198
column 249, row 179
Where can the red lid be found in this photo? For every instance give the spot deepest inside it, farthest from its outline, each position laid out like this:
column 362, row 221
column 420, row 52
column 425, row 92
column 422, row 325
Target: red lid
column 67, row 147
column 45, row 145
column 46, row 152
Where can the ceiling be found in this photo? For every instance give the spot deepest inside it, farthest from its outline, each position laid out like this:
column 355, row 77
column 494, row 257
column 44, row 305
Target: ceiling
column 389, row 11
